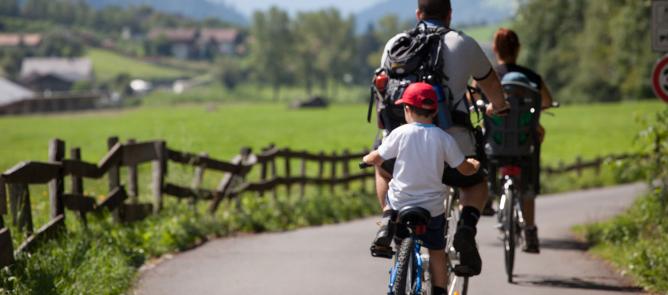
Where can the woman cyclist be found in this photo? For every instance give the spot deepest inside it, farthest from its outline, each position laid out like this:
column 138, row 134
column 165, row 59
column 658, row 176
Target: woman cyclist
column 506, row 47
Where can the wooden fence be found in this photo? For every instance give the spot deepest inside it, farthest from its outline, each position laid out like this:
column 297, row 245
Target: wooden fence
column 123, row 201
column 580, row 165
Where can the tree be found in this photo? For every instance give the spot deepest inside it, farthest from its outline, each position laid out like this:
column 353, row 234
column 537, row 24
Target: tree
column 271, row 49
column 9, row 7
column 588, row 50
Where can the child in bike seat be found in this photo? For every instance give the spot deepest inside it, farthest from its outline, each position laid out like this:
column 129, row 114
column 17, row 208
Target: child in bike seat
column 422, row 150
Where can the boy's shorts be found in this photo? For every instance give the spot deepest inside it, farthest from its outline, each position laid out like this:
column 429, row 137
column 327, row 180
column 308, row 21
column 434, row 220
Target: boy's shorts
column 434, row 238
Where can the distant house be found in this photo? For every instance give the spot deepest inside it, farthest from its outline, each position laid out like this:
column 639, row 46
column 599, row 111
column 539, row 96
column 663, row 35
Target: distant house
column 55, row 74
column 190, row 43
column 11, row 92
column 19, row 40
column 223, row 41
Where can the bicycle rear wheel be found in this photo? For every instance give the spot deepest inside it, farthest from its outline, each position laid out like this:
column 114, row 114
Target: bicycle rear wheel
column 406, row 277
column 509, row 231
column 456, row 285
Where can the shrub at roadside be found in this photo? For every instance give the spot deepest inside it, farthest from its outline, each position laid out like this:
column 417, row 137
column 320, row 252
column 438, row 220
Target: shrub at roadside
column 636, row 240
column 104, row 258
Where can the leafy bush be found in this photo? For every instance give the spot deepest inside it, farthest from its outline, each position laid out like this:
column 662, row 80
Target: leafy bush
column 104, row 258
column 636, row 240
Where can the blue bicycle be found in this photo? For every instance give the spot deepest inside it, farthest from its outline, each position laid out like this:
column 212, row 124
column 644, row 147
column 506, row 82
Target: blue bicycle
column 409, row 274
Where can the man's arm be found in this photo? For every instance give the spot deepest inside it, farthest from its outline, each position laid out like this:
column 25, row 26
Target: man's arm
column 492, row 88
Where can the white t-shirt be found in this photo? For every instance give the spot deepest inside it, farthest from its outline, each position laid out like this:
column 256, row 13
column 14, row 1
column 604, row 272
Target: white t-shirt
column 421, row 152
column 463, row 60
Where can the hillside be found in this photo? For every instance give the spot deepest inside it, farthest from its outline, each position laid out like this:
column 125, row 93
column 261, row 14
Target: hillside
column 199, row 9
column 466, row 12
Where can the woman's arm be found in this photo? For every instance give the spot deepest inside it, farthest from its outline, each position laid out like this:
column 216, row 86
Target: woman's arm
column 546, row 97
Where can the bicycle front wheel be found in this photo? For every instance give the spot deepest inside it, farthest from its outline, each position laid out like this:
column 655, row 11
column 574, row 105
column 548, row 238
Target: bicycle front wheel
column 509, row 231
column 405, row 279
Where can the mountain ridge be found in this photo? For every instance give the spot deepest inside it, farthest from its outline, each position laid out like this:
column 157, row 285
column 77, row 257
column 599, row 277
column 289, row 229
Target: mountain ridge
column 198, row 9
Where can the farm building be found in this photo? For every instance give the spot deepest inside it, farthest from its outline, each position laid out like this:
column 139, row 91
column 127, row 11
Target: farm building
column 55, row 74
column 190, row 43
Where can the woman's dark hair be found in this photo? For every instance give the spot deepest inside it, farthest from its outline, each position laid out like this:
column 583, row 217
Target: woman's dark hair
column 421, row 112
column 507, row 45
column 435, row 9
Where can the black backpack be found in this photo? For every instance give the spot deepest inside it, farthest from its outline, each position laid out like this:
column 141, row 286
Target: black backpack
column 415, row 56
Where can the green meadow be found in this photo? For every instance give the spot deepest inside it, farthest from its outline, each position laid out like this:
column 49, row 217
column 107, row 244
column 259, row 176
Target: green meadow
column 221, row 130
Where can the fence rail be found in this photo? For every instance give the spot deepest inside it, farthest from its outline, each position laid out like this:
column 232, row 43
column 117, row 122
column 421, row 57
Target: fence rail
column 333, row 170
column 122, row 199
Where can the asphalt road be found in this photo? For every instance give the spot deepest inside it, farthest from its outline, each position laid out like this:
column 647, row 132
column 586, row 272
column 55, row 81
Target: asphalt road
column 335, row 259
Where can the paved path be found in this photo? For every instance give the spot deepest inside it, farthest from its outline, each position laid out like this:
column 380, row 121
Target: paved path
column 335, row 260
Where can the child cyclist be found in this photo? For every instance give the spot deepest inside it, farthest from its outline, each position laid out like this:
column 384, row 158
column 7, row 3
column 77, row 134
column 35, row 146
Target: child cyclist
column 422, row 150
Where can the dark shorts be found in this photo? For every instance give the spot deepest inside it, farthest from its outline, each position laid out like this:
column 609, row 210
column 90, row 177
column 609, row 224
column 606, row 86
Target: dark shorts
column 434, row 238
column 451, row 176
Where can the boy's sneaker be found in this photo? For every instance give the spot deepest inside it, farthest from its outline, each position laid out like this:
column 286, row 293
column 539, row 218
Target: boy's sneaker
column 531, row 242
column 470, row 263
column 381, row 246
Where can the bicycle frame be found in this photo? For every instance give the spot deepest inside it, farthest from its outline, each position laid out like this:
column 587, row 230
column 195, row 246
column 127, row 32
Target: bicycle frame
column 419, row 268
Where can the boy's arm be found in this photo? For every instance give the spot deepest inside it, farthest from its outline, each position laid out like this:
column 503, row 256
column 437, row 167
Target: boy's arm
column 469, row 167
column 373, row 158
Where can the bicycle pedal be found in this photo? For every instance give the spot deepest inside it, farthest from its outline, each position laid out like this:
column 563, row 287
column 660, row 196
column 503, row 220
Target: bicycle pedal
column 382, row 252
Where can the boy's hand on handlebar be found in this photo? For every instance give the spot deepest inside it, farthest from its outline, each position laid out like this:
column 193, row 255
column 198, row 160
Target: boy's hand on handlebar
column 475, row 163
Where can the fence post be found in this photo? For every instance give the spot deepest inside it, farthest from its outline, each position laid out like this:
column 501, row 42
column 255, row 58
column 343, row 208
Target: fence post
column 133, row 179
column 364, row 182
column 159, row 170
column 302, row 189
column 599, row 162
column 274, row 192
column 198, row 179
column 114, row 172
column 3, row 199
column 321, row 170
column 263, row 170
column 77, row 183
column 578, row 165
column 333, row 176
column 57, row 185
column 20, row 193
column 287, row 170
column 346, row 169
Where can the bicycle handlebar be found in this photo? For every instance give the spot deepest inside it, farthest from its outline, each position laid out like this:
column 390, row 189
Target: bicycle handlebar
column 363, row 165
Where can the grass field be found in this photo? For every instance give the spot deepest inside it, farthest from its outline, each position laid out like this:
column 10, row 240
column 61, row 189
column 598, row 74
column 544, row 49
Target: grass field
column 220, row 130
column 108, row 65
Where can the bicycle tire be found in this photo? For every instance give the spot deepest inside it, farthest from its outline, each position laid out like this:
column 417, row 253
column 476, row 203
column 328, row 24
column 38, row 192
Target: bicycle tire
column 455, row 285
column 405, row 278
column 509, row 238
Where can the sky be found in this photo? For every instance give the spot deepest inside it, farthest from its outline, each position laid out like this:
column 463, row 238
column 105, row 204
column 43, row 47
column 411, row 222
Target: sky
column 345, row 6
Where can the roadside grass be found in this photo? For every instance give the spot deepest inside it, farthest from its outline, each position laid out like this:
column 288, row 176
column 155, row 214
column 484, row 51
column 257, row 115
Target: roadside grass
column 635, row 242
column 107, row 65
column 104, row 258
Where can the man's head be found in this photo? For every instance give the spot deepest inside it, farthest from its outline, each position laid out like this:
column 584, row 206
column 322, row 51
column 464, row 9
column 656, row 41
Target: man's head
column 435, row 9
column 420, row 99
column 506, row 46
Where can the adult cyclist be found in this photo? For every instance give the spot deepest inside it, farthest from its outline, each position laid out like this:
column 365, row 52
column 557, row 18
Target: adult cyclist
column 506, row 46
column 463, row 59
